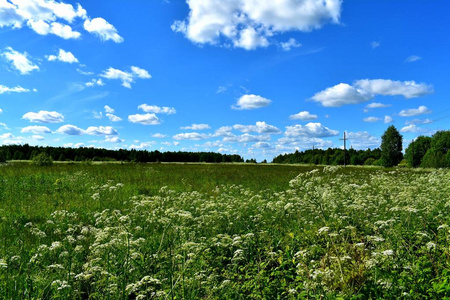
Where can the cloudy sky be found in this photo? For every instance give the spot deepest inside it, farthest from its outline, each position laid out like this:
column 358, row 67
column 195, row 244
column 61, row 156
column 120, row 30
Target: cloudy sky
column 252, row 77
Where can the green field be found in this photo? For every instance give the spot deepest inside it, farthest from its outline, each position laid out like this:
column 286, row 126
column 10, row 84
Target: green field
column 223, row 231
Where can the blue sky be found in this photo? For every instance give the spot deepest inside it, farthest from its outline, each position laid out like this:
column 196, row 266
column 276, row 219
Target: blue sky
column 255, row 77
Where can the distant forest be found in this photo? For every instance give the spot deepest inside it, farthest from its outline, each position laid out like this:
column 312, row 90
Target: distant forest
column 331, row 156
column 27, row 152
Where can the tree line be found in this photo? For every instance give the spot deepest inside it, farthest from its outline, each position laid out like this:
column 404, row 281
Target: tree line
column 27, row 152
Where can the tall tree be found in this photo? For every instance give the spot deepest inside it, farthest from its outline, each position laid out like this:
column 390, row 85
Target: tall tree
column 416, row 150
column 391, row 147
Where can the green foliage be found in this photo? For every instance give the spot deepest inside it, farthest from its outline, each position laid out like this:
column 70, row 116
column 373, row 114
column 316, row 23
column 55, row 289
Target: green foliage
column 43, row 159
column 417, row 150
column 157, row 231
column 391, row 147
column 2, row 156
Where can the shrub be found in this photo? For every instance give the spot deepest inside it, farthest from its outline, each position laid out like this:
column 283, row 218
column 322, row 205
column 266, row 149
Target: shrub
column 43, row 159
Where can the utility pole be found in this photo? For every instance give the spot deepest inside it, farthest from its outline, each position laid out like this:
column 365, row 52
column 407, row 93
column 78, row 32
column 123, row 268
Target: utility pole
column 345, row 149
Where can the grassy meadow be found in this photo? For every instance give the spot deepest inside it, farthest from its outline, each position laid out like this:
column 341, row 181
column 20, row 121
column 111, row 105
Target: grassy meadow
column 225, row 231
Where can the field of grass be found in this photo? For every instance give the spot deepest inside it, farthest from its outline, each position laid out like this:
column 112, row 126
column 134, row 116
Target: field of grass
column 190, row 231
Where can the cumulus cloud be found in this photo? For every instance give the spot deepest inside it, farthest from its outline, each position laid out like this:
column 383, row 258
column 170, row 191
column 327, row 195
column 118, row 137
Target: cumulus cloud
column 144, row 119
column 248, row 102
column 19, row 61
column 388, row 119
column 246, row 138
column 159, row 135
column 44, row 116
column 17, row 89
column 193, row 136
column 63, row 56
column 341, row 94
column 366, row 89
column 363, row 140
column 371, row 119
column 102, row 29
column 419, row 121
column 38, row 137
column 310, row 130
column 196, row 127
column 249, row 23
column 259, row 127
column 414, row 111
column 108, row 109
column 377, row 105
column 292, row 43
column 386, row 87
column 70, row 130
column 224, row 131
column 303, row 116
column 127, row 78
column 113, row 139
column 95, row 82
column 142, row 145
column 141, row 73
column 101, row 130
column 46, row 17
column 156, row 109
column 412, row 129
column 113, row 118
column 36, row 129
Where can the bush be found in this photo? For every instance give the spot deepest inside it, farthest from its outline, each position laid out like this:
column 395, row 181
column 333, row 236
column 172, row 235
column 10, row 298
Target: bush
column 43, row 159
column 369, row 161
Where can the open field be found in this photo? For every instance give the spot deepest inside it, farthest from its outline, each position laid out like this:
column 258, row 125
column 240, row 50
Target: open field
column 189, row 231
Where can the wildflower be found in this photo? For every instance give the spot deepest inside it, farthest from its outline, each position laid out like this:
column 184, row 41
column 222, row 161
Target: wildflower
column 323, row 229
column 387, row 252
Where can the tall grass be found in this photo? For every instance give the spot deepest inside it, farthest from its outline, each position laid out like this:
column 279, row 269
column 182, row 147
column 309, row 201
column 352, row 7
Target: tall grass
column 223, row 232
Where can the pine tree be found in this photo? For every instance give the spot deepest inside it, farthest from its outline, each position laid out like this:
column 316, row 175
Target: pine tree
column 391, row 147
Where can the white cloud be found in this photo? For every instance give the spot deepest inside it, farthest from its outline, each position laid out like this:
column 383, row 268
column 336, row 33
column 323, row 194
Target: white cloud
column 412, row 58
column 141, row 73
column 341, row 94
column 144, row 119
column 142, row 145
column 159, row 135
column 101, row 130
column 377, row 105
column 292, row 43
column 419, row 121
column 260, row 127
column 366, row 89
column 387, row 87
column 4, row 126
column 371, row 119
column 113, row 118
column 95, row 82
column 156, row 109
column 44, row 116
column 87, row 73
column 194, row 136
column 72, row 145
column 1, row 110
column 63, row 56
column 37, row 137
column 363, row 140
column 224, row 131
column 247, row 102
column 109, row 109
column 113, row 139
column 19, row 61
column 103, row 29
column 249, row 23
column 310, row 130
column 196, row 127
column 414, row 111
column 388, row 119
column 375, row 44
column 412, row 129
column 36, row 129
column 246, row 138
column 290, row 144
column 17, row 89
column 6, row 136
column 42, row 16
column 303, row 116
column 70, row 130
column 127, row 78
